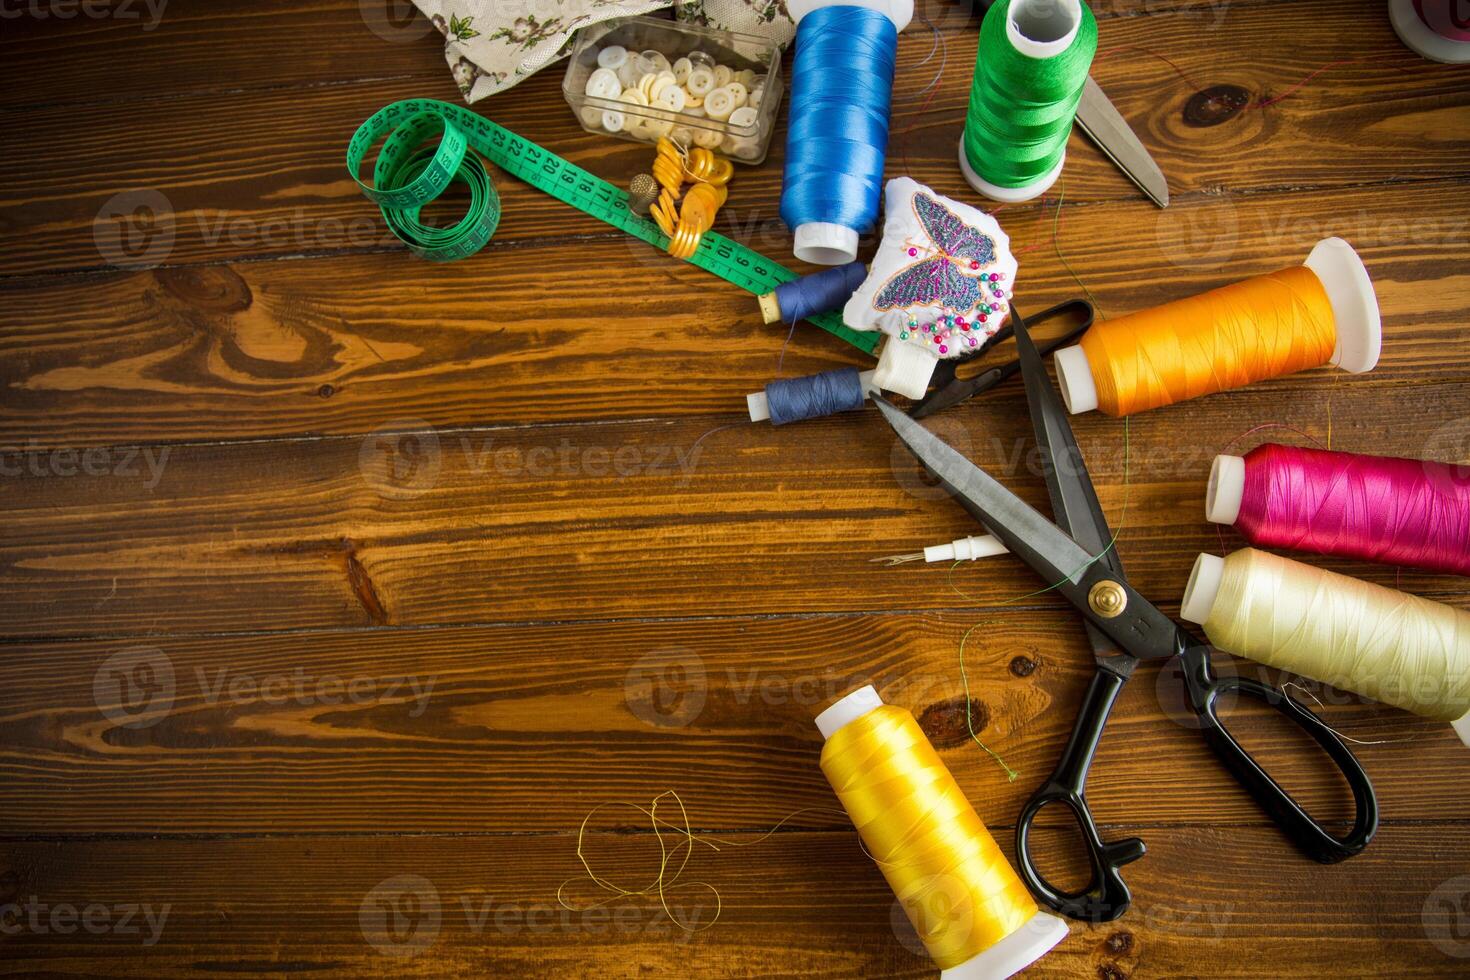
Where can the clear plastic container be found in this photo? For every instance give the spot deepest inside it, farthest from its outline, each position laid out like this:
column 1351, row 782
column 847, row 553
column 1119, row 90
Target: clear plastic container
column 644, row 124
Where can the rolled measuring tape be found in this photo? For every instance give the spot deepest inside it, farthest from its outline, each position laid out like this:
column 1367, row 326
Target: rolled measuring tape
column 411, row 171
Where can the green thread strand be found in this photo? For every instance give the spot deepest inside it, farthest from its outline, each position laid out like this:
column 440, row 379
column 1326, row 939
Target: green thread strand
column 1021, row 108
column 410, row 171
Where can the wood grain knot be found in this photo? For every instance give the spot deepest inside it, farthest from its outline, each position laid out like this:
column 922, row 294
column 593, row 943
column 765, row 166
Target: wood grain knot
column 1023, row 666
column 1214, row 105
column 1111, row 971
column 208, row 288
column 326, row 391
column 1119, row 943
column 945, row 724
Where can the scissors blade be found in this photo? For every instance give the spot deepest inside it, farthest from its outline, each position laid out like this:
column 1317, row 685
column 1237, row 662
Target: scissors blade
column 1140, row 630
column 1074, row 503
column 1101, row 121
column 1037, row 541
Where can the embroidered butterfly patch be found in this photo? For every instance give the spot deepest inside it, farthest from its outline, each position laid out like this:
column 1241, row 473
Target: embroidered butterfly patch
column 940, row 277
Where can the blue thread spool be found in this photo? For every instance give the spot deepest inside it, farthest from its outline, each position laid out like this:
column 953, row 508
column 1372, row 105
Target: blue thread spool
column 812, row 397
column 820, row 292
column 841, row 90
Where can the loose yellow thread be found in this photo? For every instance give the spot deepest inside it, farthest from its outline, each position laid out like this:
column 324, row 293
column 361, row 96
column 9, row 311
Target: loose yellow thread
column 664, row 882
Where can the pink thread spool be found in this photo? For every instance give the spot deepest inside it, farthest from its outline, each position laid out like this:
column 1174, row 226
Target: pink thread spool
column 1380, row 508
column 1437, row 29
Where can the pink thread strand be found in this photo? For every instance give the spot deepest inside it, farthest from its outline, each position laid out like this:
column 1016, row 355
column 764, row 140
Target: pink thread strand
column 1380, row 508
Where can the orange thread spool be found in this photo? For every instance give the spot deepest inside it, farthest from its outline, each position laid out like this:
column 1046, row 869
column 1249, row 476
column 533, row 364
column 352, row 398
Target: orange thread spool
column 1323, row 312
column 1227, row 338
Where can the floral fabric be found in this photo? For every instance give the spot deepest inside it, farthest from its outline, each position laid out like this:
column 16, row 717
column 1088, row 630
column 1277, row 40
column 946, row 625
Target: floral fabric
column 493, row 44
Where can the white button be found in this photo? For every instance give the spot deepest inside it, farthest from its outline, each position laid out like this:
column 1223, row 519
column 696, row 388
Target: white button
column 723, row 74
column 739, row 93
column 700, row 82
column 681, row 70
column 743, row 117
column 664, row 81
column 672, row 97
column 612, row 57
column 719, row 104
column 612, row 121
column 603, row 84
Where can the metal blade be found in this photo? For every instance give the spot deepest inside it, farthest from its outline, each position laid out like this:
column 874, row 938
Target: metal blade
column 1139, row 629
column 1028, row 535
column 1110, row 131
column 1074, row 502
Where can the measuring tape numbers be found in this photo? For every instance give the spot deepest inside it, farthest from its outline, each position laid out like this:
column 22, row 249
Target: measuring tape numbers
column 410, row 172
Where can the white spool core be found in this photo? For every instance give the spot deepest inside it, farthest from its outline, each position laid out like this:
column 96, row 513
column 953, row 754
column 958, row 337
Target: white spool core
column 1462, row 727
column 898, row 11
column 905, row 368
column 1074, row 377
column 823, row 243
column 1354, row 304
column 1203, row 587
column 1417, row 35
column 1043, row 28
column 1009, row 195
column 1013, row 953
column 1225, row 490
column 849, row 708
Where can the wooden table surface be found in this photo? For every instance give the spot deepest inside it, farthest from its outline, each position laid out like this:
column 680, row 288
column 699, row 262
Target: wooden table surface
column 337, row 586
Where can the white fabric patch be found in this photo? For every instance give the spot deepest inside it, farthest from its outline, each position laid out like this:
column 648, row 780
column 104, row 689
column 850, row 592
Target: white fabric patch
column 933, row 270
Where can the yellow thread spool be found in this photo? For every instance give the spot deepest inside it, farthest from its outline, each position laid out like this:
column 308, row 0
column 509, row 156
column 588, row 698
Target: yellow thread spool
column 1321, row 312
column 1388, row 645
column 971, row 910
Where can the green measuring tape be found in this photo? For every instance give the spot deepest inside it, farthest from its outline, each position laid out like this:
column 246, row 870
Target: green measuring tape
column 410, row 172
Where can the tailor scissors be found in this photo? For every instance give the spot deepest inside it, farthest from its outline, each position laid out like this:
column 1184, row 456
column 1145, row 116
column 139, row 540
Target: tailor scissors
column 1077, row 554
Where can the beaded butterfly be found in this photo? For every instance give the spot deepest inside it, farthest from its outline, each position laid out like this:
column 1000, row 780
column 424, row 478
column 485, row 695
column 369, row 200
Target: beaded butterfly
column 941, row 277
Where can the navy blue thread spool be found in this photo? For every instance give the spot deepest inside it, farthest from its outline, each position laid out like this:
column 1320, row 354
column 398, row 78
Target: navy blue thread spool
column 841, row 90
column 819, row 292
column 812, row 397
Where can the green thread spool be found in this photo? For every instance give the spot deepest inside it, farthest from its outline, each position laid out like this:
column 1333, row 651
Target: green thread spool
column 1033, row 61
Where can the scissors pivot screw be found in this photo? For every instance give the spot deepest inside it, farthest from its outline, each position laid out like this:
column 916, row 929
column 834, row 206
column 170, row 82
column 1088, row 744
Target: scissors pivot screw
column 1107, row 598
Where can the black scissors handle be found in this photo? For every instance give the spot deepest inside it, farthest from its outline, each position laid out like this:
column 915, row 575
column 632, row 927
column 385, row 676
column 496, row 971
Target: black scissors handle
column 949, row 390
column 1205, row 690
column 1106, row 895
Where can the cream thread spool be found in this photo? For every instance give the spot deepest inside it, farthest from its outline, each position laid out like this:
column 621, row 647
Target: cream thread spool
column 1251, row 604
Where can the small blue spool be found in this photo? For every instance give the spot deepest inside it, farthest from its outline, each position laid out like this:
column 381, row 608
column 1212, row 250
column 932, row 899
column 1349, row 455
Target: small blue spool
column 841, row 90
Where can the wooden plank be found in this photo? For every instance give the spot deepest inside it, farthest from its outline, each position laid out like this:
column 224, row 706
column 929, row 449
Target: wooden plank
column 799, row 905
column 690, row 517
column 347, row 344
column 260, row 173
column 519, row 729
column 110, row 50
